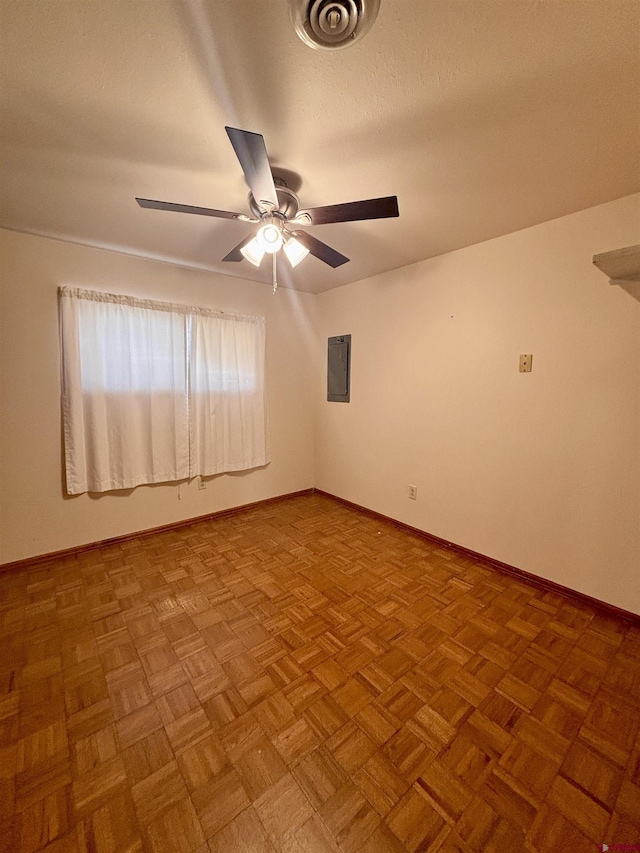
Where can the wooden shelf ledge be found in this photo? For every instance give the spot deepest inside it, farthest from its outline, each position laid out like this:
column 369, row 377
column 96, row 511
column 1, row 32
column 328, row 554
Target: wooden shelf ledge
column 622, row 266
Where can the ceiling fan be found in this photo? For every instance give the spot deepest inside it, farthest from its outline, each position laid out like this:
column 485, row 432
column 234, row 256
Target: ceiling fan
column 276, row 208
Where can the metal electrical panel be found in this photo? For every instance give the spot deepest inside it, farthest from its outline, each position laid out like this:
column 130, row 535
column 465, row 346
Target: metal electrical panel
column 338, row 369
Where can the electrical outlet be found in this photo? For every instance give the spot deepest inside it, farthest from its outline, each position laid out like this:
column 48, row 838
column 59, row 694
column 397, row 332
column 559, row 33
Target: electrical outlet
column 413, row 492
column 202, row 483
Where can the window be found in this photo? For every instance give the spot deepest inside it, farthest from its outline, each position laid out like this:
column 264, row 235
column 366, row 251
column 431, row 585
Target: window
column 153, row 392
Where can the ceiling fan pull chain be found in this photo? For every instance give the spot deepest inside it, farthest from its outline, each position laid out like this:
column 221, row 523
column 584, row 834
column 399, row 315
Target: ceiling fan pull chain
column 273, row 272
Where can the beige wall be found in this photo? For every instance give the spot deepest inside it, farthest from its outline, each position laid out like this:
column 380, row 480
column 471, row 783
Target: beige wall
column 35, row 516
column 539, row 470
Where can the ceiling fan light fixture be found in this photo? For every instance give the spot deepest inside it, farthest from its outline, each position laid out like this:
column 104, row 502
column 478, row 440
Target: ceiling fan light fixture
column 269, row 238
column 279, row 205
column 295, row 251
column 253, row 252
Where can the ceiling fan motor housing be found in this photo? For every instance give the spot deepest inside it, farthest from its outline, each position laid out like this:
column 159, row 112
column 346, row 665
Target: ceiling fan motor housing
column 288, row 202
column 333, row 24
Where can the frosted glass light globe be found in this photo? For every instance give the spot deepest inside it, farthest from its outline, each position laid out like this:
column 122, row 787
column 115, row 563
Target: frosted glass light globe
column 269, row 238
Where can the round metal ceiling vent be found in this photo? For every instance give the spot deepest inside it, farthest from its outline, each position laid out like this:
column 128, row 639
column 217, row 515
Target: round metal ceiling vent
column 333, row 24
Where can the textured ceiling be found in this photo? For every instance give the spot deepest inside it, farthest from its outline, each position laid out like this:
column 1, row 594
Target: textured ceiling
column 482, row 116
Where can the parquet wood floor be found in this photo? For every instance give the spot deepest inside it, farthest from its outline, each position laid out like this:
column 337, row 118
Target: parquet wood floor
column 302, row 678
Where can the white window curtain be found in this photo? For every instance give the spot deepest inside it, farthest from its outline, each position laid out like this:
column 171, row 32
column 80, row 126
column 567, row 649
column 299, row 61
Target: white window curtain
column 154, row 392
column 227, row 398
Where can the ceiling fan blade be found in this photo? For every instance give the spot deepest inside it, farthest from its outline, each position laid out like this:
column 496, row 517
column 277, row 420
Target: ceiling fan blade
column 352, row 211
column 235, row 254
column 252, row 154
column 187, row 208
column 320, row 250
